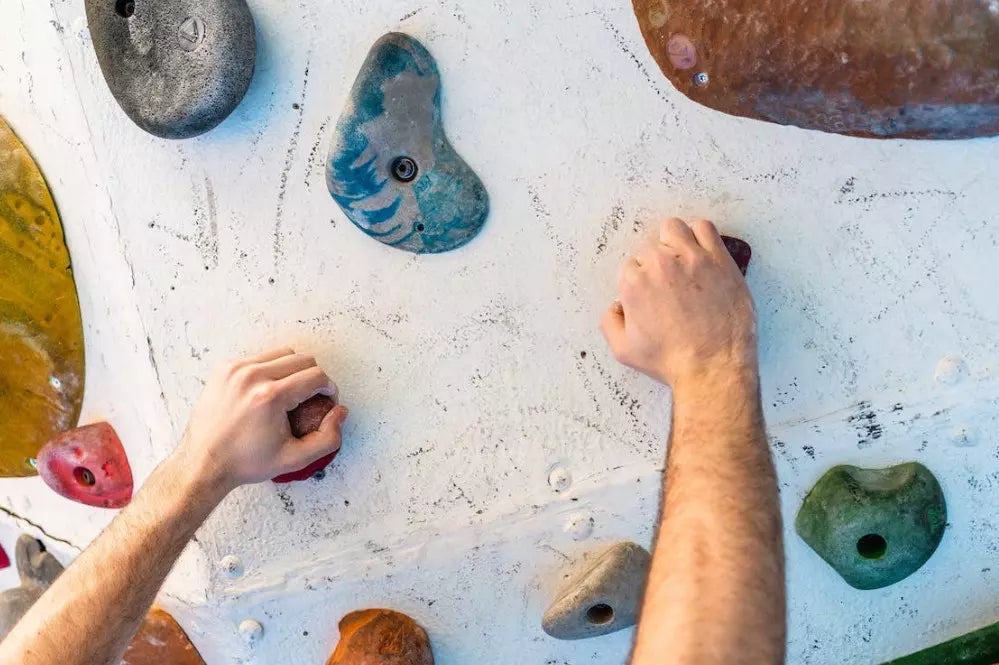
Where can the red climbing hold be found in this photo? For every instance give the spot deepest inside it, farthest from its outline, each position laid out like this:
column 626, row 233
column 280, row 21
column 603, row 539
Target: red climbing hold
column 4, row 559
column 740, row 251
column 306, row 419
column 88, row 465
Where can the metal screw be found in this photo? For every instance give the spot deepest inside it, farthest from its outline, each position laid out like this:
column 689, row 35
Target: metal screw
column 701, row 79
column 251, row 631
column 319, row 475
column 559, row 479
column 191, row 33
column 231, row 566
column 404, row 169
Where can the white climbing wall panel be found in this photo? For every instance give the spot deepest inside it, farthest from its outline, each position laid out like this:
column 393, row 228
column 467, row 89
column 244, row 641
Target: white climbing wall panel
column 471, row 374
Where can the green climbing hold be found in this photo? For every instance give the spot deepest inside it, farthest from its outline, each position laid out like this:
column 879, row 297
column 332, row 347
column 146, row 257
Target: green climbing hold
column 875, row 527
column 978, row 648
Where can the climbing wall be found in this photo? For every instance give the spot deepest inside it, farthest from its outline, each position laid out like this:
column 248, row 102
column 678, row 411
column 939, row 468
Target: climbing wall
column 493, row 441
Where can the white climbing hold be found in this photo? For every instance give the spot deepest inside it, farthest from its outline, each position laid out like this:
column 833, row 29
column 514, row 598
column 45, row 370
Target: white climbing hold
column 251, row 631
column 951, row 370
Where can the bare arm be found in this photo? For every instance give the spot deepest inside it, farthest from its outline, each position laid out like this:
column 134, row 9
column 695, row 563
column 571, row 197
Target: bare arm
column 238, row 434
column 716, row 590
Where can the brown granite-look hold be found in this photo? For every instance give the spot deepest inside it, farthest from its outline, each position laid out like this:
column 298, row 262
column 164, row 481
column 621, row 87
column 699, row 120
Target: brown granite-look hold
column 888, row 69
column 161, row 641
column 381, row 637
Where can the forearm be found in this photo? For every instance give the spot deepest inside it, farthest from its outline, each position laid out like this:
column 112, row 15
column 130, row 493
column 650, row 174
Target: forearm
column 716, row 589
column 91, row 613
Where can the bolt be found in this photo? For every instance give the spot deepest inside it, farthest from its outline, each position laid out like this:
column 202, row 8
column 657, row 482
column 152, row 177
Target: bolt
column 964, row 437
column 404, row 169
column 251, row 631
column 580, row 526
column 231, row 566
column 191, row 33
column 559, row 479
column 701, row 79
column 951, row 370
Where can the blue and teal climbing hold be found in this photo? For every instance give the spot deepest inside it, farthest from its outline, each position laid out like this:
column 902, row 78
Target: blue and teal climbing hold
column 391, row 167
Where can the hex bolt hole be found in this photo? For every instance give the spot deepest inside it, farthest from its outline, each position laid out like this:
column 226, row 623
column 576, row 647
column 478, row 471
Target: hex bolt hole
column 124, row 8
column 600, row 615
column 872, row 546
column 404, row 169
column 84, row 476
column 420, row 227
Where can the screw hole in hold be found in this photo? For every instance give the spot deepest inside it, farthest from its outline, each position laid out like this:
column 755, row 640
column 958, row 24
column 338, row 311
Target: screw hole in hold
column 124, row 8
column 84, row 476
column 420, row 227
column 872, row 546
column 404, row 169
column 600, row 615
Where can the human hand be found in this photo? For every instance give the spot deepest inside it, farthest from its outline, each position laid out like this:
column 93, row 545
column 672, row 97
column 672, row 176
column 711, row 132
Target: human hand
column 684, row 307
column 239, row 431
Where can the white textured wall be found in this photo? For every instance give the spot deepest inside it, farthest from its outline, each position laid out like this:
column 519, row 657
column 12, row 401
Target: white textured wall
column 464, row 372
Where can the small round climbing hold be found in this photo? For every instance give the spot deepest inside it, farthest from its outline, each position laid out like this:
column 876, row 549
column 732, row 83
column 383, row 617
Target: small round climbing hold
column 404, row 169
column 251, row 631
column 580, row 526
column 951, row 370
column 559, row 479
column 231, row 566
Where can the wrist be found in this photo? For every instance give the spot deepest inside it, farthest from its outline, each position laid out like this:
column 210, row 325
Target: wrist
column 199, row 477
column 736, row 375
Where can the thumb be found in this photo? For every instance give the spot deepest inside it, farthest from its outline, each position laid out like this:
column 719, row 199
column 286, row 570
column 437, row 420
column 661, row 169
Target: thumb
column 612, row 326
column 324, row 441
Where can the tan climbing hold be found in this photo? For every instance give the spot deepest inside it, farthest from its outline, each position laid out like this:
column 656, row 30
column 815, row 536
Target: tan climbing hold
column 381, row 637
column 161, row 641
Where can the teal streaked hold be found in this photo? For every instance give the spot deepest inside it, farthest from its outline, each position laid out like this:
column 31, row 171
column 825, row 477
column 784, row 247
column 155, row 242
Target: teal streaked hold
column 875, row 527
column 391, row 168
column 978, row 648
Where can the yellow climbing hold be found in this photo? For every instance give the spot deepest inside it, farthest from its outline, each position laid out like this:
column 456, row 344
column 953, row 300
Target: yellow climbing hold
column 41, row 332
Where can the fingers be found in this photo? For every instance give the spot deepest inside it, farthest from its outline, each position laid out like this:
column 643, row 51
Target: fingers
column 295, row 389
column 267, row 356
column 299, row 453
column 612, row 326
column 284, row 366
column 675, row 233
column 707, row 237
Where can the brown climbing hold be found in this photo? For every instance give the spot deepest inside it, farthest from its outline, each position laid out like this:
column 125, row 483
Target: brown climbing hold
column 161, row 641
column 381, row 637
column 41, row 332
column 891, row 69
column 306, row 419
column 88, row 465
column 740, row 251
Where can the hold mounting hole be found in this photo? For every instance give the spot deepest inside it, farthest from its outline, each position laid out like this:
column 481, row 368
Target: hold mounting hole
column 404, row 169
column 84, row 476
column 600, row 615
column 420, row 227
column 124, row 8
column 872, row 546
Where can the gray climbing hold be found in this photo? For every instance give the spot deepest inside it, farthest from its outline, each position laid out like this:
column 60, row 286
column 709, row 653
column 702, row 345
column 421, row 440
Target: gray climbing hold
column 177, row 67
column 38, row 569
column 603, row 597
column 391, row 168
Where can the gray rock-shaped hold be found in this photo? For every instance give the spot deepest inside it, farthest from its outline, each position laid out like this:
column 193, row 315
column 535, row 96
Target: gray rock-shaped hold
column 603, row 597
column 177, row 67
column 38, row 569
column 391, row 168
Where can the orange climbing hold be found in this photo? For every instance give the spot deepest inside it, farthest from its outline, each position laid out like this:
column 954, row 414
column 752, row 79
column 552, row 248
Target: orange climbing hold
column 161, row 641
column 88, row 465
column 381, row 637
column 41, row 332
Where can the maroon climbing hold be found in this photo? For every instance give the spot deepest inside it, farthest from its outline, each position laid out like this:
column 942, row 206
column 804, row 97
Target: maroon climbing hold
column 740, row 251
column 88, row 465
column 306, row 419
column 4, row 559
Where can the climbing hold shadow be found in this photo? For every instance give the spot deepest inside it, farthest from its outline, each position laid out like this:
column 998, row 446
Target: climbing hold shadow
column 381, row 637
column 603, row 597
column 875, row 527
column 88, row 465
column 740, row 251
column 37, row 569
column 41, row 331
column 980, row 647
column 176, row 67
column 391, row 168
column 306, row 419
column 161, row 641
column 844, row 66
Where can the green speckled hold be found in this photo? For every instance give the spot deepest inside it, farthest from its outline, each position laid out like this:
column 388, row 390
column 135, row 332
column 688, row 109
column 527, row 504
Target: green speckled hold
column 978, row 648
column 875, row 527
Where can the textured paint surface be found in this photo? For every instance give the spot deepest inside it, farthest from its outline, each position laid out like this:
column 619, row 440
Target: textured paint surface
column 305, row 419
column 892, row 68
column 980, row 647
column 381, row 637
column 874, row 526
column 391, row 168
column 471, row 374
column 161, row 641
column 177, row 68
column 88, row 465
column 41, row 336
column 602, row 597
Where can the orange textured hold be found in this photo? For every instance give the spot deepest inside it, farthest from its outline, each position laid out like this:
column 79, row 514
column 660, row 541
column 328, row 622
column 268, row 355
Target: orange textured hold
column 890, row 69
column 381, row 637
column 161, row 641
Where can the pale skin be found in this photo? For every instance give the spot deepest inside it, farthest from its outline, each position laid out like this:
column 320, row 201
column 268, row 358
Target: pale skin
column 238, row 434
column 715, row 594
column 685, row 317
